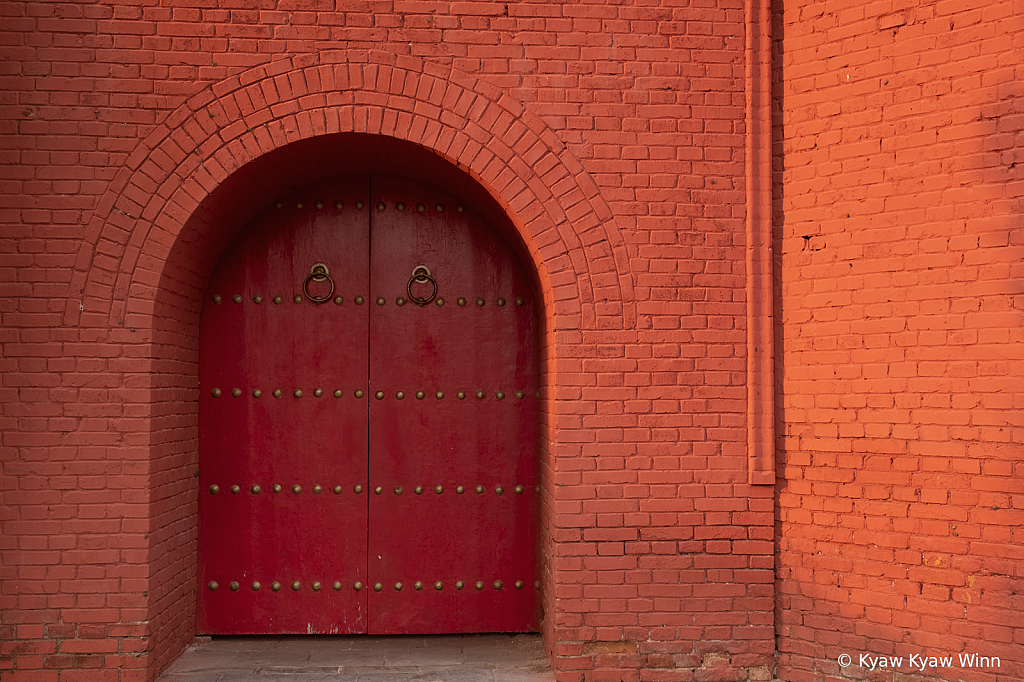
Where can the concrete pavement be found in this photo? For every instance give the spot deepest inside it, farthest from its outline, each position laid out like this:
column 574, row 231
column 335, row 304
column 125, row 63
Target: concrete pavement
column 433, row 658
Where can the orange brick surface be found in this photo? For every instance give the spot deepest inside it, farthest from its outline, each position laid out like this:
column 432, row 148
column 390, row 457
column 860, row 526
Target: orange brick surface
column 899, row 192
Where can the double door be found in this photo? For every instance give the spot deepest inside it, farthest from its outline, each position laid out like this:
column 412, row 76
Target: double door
column 368, row 420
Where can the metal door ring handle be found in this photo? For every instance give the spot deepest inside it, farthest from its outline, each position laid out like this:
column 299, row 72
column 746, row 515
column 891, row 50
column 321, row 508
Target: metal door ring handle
column 421, row 275
column 318, row 273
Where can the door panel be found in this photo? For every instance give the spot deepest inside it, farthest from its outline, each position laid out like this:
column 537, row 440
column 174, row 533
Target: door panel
column 438, row 539
column 281, row 537
column 429, row 539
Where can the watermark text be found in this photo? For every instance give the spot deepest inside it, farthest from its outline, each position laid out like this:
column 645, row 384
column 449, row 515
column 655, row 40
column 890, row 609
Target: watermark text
column 920, row 662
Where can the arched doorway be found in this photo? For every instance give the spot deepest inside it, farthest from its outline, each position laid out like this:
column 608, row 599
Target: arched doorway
column 368, row 419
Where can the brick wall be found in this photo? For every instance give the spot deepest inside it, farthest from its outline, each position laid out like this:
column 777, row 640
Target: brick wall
column 612, row 134
column 898, row 197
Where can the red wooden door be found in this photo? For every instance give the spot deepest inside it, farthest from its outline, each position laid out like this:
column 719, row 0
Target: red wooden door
column 453, row 421
column 367, row 464
column 282, row 426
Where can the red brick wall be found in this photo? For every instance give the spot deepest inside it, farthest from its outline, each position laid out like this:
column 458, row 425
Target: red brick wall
column 899, row 197
column 613, row 136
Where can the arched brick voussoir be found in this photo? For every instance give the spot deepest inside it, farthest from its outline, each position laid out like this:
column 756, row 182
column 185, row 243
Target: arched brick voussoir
column 568, row 227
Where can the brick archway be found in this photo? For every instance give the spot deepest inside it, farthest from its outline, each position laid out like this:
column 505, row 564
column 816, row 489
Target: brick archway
column 163, row 222
column 555, row 205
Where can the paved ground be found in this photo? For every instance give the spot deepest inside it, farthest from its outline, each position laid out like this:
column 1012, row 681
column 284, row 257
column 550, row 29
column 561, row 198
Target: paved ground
column 435, row 658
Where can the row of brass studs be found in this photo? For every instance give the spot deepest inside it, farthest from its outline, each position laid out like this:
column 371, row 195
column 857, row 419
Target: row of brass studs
column 461, row 395
column 497, row 584
column 298, row 298
column 459, row 489
column 275, row 586
column 278, row 300
column 256, row 489
column 319, row 205
column 420, row 207
column 277, row 393
column 461, row 301
column 379, row 395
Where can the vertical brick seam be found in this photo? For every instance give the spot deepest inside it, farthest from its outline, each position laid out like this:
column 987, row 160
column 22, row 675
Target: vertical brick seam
column 760, row 283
